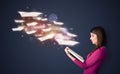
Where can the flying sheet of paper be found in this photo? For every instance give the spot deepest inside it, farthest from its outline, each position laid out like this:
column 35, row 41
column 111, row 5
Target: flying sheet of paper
column 33, row 23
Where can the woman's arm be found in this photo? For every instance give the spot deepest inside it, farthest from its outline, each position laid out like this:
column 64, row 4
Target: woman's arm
column 89, row 61
column 97, row 57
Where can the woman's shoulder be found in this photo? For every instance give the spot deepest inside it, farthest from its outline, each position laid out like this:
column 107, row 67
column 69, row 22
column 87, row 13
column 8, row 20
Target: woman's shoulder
column 99, row 50
column 102, row 48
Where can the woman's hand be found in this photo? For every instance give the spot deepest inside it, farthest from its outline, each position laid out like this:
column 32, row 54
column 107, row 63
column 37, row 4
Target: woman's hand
column 68, row 54
column 66, row 50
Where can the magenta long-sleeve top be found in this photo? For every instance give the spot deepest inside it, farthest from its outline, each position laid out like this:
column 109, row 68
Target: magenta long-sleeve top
column 93, row 61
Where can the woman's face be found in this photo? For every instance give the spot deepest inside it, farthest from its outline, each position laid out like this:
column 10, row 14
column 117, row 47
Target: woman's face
column 93, row 38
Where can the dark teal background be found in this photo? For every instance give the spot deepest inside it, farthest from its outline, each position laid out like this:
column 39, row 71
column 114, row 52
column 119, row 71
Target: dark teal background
column 26, row 55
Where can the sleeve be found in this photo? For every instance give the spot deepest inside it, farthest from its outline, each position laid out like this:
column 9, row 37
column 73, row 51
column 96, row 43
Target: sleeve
column 91, row 60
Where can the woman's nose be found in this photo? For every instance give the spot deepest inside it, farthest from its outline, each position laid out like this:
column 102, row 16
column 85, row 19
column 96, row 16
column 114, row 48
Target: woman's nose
column 90, row 38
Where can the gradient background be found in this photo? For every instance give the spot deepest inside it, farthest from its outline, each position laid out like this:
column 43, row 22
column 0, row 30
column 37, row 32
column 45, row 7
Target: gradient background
column 26, row 55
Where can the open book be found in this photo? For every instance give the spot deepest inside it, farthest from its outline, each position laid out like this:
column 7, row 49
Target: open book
column 80, row 58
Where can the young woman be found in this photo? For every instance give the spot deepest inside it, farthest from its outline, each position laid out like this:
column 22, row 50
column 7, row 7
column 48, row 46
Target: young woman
column 96, row 57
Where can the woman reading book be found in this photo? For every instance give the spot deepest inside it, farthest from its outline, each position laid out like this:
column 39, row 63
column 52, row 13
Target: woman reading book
column 96, row 57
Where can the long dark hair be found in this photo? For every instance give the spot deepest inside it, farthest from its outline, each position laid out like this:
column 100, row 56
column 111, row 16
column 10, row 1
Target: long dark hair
column 101, row 36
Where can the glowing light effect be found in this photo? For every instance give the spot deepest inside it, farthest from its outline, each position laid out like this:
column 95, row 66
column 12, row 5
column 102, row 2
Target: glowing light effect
column 33, row 23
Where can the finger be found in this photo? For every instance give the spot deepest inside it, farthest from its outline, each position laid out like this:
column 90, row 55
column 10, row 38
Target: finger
column 67, row 48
